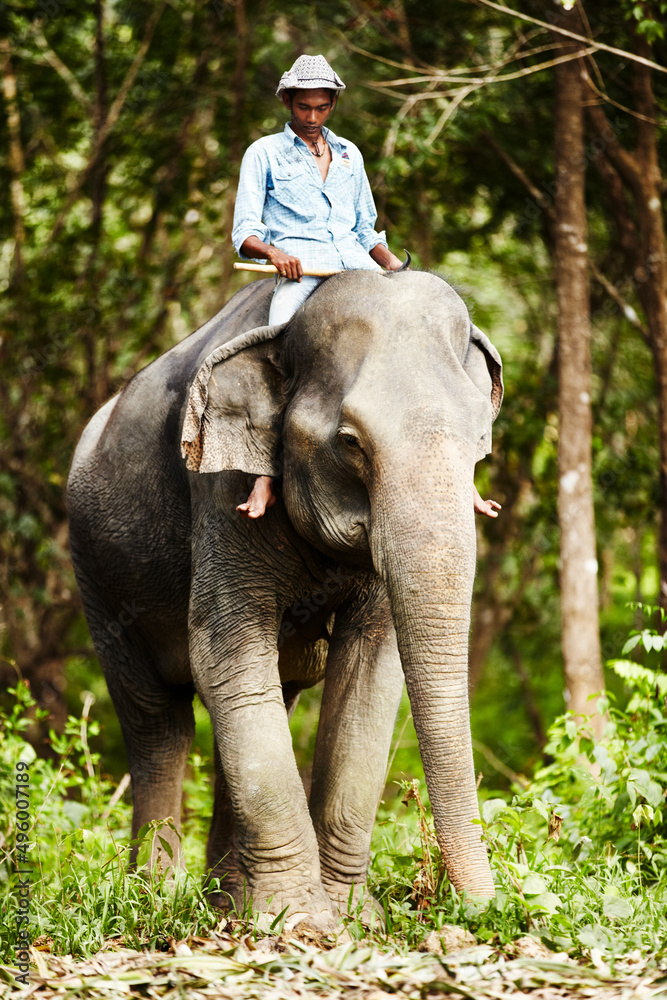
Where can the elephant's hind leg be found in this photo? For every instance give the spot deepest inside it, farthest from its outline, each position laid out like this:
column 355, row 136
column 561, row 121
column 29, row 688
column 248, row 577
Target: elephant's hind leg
column 157, row 757
column 157, row 722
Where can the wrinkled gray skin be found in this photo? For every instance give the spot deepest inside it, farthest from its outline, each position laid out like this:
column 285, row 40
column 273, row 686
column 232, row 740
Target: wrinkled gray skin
column 372, row 402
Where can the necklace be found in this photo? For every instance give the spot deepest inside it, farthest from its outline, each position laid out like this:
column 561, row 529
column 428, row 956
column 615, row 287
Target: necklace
column 317, row 151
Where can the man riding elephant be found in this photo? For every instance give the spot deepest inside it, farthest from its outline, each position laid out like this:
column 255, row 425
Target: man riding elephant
column 304, row 201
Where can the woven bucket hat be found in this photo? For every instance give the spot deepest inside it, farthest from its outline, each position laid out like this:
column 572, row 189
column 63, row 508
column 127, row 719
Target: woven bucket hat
column 310, row 73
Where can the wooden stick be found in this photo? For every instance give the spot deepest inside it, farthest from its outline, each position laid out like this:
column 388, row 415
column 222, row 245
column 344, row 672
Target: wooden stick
column 270, row 269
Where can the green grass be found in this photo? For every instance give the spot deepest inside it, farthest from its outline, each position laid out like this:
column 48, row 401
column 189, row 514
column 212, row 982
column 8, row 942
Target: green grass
column 579, row 857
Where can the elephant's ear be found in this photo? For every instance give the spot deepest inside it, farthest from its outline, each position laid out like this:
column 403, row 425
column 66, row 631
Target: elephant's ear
column 234, row 413
column 485, row 369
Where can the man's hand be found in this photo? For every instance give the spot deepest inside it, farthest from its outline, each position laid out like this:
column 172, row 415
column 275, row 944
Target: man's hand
column 488, row 507
column 287, row 266
column 385, row 258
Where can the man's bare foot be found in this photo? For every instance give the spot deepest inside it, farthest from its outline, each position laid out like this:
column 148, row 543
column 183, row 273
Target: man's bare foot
column 488, row 507
column 262, row 496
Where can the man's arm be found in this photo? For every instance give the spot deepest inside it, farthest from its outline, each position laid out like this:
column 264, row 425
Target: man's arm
column 383, row 256
column 288, row 266
column 291, row 267
column 373, row 243
column 249, row 234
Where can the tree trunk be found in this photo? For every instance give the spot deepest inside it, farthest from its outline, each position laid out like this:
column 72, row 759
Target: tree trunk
column 96, row 347
column 238, row 89
column 579, row 592
column 15, row 157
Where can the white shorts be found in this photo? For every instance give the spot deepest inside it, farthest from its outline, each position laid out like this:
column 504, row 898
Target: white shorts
column 288, row 296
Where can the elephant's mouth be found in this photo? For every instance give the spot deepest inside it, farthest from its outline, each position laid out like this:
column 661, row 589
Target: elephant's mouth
column 340, row 533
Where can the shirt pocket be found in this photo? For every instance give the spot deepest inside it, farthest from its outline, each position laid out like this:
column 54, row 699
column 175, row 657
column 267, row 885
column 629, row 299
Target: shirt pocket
column 340, row 188
column 292, row 188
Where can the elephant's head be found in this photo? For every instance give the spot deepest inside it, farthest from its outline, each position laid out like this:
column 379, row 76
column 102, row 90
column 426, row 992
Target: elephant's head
column 374, row 403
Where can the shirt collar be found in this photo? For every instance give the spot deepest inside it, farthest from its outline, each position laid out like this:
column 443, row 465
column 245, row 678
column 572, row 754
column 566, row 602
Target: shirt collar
column 329, row 135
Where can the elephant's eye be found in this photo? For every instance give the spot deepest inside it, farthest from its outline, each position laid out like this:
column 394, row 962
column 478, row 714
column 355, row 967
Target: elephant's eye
column 350, row 442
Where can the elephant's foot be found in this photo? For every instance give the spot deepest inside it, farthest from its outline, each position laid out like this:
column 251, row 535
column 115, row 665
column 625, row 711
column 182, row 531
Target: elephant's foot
column 305, row 912
column 223, row 886
column 219, row 899
column 360, row 906
column 302, row 925
column 262, row 496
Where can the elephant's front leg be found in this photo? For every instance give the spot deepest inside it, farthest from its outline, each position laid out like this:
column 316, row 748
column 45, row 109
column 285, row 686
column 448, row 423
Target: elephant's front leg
column 235, row 665
column 362, row 691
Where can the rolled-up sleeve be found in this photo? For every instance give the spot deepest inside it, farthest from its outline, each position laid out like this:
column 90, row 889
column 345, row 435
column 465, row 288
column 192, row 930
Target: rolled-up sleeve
column 366, row 211
column 250, row 199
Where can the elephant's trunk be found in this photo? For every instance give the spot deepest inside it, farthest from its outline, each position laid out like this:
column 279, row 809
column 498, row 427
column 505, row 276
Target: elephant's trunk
column 423, row 543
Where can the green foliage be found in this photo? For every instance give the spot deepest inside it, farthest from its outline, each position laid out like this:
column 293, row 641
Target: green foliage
column 612, row 793
column 579, row 858
column 649, row 18
column 82, row 889
column 571, row 904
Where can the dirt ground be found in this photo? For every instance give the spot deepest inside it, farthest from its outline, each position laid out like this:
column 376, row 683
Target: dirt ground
column 275, row 968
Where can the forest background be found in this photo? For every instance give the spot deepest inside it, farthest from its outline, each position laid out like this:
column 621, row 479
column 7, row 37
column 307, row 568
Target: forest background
column 121, row 135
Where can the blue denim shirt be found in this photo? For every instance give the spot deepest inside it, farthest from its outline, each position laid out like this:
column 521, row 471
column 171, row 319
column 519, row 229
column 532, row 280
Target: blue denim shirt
column 283, row 201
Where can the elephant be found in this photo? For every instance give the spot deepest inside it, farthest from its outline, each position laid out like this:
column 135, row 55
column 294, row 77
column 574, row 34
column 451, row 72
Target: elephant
column 370, row 407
